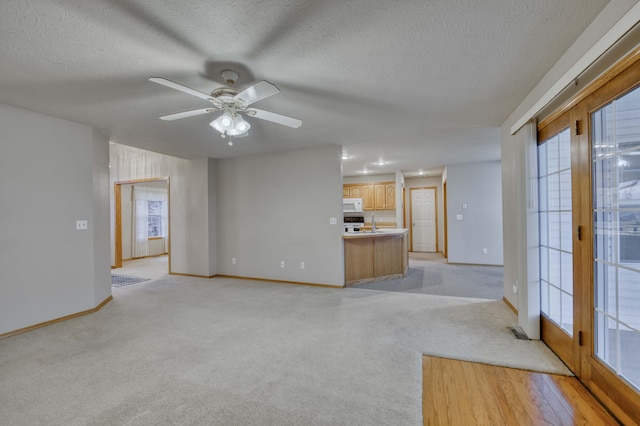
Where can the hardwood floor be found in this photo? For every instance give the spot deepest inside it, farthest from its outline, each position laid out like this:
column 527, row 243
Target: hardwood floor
column 469, row 393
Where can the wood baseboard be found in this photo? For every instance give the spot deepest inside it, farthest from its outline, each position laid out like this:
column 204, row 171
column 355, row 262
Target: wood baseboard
column 472, row 264
column 192, row 275
column 278, row 281
column 513, row 308
column 56, row 320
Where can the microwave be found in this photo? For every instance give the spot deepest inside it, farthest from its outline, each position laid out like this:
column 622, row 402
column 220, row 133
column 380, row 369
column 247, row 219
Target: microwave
column 351, row 205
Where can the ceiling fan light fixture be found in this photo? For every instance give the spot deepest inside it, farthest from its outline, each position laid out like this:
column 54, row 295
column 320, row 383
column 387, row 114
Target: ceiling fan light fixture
column 240, row 126
column 216, row 125
column 226, row 121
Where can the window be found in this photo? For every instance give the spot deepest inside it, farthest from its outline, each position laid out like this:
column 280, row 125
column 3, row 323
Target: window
column 155, row 218
column 556, row 251
column 616, row 215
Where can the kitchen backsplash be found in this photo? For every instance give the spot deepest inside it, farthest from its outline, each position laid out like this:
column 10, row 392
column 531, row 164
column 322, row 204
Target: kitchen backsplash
column 381, row 216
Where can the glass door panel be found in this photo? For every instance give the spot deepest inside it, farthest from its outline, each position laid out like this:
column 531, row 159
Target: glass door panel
column 555, row 221
column 615, row 145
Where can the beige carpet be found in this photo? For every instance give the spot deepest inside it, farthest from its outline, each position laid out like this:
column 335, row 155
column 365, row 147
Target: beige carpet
column 190, row 351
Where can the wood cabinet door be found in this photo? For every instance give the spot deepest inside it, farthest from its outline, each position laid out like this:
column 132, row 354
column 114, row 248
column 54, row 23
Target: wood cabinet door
column 355, row 192
column 367, row 197
column 345, row 192
column 380, row 197
column 391, row 196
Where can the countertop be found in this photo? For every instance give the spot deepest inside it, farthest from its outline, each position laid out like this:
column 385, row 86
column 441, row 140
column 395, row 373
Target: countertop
column 379, row 233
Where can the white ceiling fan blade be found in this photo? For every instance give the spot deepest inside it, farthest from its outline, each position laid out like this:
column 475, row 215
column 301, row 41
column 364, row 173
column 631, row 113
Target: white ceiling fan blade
column 180, row 87
column 261, row 90
column 186, row 114
column 276, row 118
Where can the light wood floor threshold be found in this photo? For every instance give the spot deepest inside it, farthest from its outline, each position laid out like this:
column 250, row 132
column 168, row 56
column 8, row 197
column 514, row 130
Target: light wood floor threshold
column 468, row 393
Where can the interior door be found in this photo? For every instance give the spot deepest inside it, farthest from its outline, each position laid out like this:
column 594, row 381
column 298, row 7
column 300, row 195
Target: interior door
column 423, row 219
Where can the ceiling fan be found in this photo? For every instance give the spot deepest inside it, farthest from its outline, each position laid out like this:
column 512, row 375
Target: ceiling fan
column 232, row 102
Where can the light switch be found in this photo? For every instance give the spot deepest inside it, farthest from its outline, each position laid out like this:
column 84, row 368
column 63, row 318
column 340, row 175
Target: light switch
column 333, row 221
column 82, row 225
column 458, row 217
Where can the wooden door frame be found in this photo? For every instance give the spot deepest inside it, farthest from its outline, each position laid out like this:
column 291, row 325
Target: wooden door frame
column 435, row 206
column 117, row 192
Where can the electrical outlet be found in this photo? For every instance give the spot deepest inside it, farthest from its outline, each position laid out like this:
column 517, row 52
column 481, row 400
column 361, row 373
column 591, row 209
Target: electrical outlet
column 484, row 251
column 82, row 225
column 333, row 221
column 233, row 261
column 301, row 265
column 515, row 289
column 458, row 217
column 464, row 206
column 282, row 263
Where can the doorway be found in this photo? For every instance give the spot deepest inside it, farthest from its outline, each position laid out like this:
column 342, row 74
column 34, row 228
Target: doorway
column 424, row 233
column 589, row 216
column 142, row 230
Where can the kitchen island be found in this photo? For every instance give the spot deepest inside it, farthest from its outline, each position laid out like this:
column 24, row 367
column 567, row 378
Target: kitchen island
column 372, row 256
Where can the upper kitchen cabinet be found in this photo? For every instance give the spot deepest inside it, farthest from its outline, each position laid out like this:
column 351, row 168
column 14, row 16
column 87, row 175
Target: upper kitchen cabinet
column 380, row 197
column 385, row 196
column 390, row 189
column 355, row 192
column 367, row 197
column 375, row 196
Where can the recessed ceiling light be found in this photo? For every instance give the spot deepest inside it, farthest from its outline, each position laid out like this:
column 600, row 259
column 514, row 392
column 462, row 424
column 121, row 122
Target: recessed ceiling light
column 381, row 163
column 365, row 171
column 421, row 172
column 345, row 156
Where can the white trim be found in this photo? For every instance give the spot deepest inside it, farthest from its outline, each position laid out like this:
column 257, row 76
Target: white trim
column 619, row 29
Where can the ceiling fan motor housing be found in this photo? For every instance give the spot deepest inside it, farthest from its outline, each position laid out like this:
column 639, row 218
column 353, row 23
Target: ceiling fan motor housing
column 230, row 77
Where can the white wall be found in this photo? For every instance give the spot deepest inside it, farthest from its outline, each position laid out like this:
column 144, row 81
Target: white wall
column 276, row 207
column 52, row 173
column 190, row 192
column 100, row 228
column 426, row 182
column 478, row 185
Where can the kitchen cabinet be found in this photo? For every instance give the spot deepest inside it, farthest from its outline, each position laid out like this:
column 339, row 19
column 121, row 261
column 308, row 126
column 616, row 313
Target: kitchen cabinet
column 367, row 197
column 375, row 196
column 380, row 197
column 390, row 190
column 355, row 192
column 385, row 196
column 375, row 256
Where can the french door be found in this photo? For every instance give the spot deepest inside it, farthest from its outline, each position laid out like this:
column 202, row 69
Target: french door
column 589, row 216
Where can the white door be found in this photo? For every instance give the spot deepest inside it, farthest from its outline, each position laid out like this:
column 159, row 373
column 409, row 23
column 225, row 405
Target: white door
column 423, row 219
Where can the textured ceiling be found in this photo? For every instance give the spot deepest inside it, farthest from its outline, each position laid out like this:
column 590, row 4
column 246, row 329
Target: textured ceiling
column 420, row 84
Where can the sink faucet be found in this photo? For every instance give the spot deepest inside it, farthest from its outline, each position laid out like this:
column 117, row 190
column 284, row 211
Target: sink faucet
column 373, row 222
